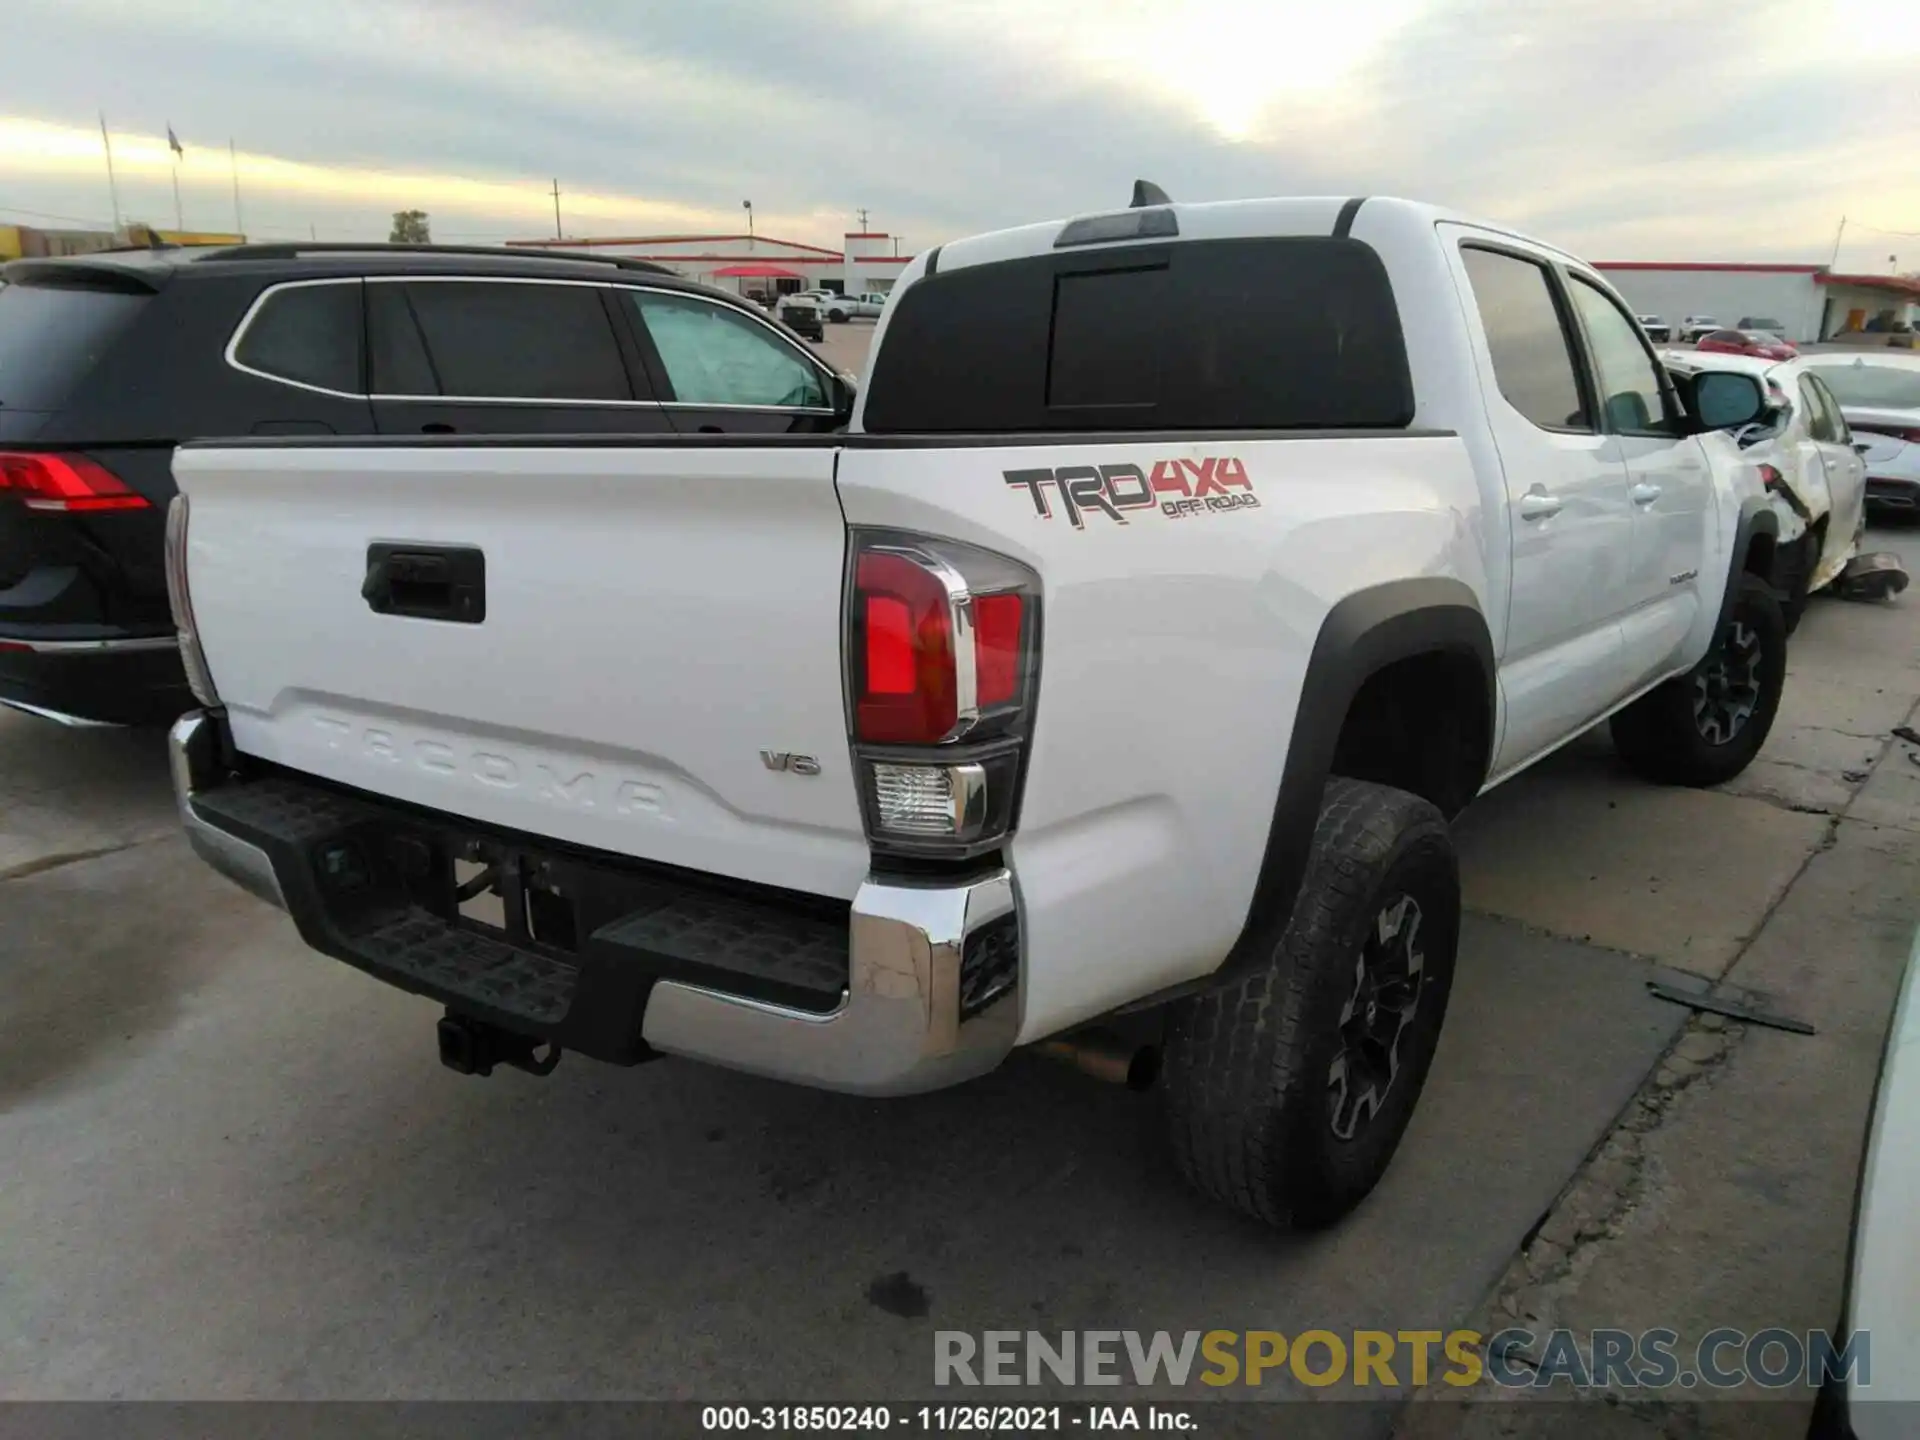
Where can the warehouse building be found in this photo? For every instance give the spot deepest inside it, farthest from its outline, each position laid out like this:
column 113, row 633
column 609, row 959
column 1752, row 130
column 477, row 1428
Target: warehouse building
column 866, row 262
column 1810, row 301
column 32, row 242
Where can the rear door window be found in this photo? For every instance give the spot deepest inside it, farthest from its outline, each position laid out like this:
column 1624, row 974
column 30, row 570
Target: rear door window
column 51, row 336
column 307, row 335
column 1281, row 333
column 511, row 340
column 1527, row 338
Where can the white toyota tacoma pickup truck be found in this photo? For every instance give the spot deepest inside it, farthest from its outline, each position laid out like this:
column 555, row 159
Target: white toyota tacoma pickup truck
column 1180, row 573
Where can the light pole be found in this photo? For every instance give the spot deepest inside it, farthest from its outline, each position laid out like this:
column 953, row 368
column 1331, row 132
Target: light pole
column 747, row 205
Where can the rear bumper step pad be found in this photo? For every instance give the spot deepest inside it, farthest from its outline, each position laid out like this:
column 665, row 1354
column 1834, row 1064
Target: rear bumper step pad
column 912, row 987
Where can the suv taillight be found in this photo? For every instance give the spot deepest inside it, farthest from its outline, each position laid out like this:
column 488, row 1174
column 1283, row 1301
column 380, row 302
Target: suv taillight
column 943, row 650
column 199, row 678
column 64, row 483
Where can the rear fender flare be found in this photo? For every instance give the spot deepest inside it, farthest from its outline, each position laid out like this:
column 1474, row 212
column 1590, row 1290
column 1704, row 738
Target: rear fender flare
column 1365, row 632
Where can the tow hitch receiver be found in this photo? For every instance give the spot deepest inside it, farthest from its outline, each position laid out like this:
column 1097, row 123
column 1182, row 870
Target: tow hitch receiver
column 473, row 1047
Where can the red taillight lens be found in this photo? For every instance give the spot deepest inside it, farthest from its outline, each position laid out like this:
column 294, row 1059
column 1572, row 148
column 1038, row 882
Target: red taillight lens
column 67, row 483
column 996, row 640
column 933, row 654
column 907, row 689
column 1772, row 478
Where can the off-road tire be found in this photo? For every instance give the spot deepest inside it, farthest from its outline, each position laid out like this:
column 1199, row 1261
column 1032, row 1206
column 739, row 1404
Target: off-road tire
column 1660, row 735
column 1246, row 1087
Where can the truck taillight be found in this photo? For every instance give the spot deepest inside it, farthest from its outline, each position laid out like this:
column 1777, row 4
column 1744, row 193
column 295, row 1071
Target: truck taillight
column 942, row 661
column 64, row 483
column 199, row 678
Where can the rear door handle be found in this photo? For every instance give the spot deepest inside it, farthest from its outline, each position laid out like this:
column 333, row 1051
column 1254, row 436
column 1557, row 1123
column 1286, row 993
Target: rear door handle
column 427, row 582
column 1645, row 494
column 1538, row 505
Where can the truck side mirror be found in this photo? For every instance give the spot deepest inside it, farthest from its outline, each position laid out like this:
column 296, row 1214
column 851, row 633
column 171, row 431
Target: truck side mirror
column 1724, row 400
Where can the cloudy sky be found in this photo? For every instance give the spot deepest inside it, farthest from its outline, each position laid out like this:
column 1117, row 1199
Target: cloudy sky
column 1624, row 129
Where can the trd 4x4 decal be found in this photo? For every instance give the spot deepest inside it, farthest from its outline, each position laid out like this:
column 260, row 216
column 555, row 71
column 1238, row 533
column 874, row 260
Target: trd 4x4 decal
column 1176, row 488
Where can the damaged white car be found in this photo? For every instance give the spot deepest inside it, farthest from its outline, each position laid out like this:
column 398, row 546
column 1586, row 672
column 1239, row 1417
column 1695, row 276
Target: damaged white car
column 1812, row 469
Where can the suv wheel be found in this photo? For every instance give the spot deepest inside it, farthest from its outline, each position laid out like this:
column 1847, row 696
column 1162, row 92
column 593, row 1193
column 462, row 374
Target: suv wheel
column 1286, row 1095
column 838, row 317
column 1705, row 727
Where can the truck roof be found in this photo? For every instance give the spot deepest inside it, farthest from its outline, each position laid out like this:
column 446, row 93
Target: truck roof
column 1239, row 219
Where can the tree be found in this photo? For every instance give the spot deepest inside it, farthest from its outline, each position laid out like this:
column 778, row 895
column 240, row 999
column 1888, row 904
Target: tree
column 410, row 228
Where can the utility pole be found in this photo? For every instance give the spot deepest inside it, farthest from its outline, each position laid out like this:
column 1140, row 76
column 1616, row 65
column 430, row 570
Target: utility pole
column 863, row 220
column 233, row 160
column 113, row 188
column 747, row 205
column 1836, row 243
column 556, row 210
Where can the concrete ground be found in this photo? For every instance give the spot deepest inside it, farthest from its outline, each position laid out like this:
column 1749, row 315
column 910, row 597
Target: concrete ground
column 232, row 1169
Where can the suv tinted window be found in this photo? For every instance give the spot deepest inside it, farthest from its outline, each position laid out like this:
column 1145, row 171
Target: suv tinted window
column 309, row 334
column 1532, row 354
column 516, row 341
column 1294, row 333
column 716, row 356
column 52, row 335
column 396, row 354
column 1630, row 393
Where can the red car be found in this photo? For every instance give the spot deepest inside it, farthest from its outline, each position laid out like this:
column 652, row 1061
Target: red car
column 1747, row 342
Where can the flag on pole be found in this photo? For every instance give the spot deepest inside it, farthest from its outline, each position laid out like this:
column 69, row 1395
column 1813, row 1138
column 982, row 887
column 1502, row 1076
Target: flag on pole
column 173, row 143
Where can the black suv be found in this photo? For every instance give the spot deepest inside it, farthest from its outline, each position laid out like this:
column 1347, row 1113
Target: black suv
column 108, row 361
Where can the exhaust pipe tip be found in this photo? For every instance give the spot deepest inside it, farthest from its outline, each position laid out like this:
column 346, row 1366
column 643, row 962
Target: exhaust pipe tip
column 1106, row 1057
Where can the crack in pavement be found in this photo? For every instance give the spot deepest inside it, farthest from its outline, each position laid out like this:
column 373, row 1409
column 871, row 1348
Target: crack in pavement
column 1604, row 1191
column 43, row 863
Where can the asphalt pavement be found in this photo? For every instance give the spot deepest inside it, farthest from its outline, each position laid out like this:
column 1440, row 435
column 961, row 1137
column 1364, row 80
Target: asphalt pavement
column 232, row 1169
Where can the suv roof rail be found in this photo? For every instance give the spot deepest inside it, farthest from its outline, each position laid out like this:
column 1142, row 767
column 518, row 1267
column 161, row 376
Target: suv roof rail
column 293, row 250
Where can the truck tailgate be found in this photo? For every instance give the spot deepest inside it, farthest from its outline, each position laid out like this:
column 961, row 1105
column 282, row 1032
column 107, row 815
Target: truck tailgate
column 656, row 616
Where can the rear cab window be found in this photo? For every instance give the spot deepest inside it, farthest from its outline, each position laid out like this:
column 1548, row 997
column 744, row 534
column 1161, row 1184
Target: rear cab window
column 53, row 333
column 1291, row 333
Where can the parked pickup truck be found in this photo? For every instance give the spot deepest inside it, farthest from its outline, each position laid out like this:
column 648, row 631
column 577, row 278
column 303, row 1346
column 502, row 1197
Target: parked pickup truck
column 1181, row 573
column 842, row 308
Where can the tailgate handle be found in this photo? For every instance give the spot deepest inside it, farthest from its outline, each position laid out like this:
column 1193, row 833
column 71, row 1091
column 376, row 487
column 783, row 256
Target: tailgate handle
column 427, row 582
